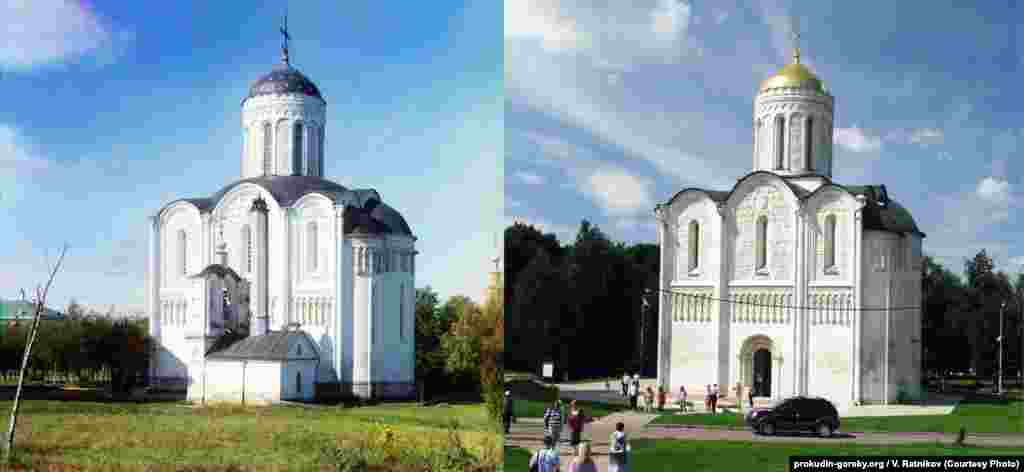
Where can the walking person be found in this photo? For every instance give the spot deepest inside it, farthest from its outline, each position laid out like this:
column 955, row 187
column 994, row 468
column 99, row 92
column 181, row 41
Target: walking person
column 509, row 411
column 750, row 397
column 583, row 462
column 625, row 385
column 661, row 398
column 553, row 422
column 649, row 399
column 633, row 393
column 576, row 420
column 714, row 399
column 707, row 399
column 546, row 459
column 618, row 452
column 682, row 398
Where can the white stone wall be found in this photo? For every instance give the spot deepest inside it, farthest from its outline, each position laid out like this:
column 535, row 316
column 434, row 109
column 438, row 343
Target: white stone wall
column 839, row 204
column 281, row 112
column 696, row 207
column 694, row 352
column 758, row 196
column 291, row 374
column 795, row 107
column 831, row 344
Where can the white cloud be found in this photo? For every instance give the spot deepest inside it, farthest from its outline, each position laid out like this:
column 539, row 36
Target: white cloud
column 994, row 190
column 542, row 21
column 617, row 191
column 530, row 178
column 670, row 18
column 41, row 32
column 857, row 140
column 926, row 136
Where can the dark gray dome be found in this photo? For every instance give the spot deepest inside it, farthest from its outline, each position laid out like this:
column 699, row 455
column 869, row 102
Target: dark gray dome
column 284, row 79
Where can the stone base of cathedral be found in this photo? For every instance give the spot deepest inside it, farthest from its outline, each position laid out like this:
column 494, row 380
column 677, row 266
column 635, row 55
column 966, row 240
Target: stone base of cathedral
column 334, row 391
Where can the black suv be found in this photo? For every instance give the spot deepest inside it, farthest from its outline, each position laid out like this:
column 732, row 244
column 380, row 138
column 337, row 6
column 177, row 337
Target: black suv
column 795, row 414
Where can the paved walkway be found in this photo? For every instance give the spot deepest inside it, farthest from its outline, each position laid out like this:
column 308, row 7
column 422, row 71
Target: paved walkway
column 528, row 433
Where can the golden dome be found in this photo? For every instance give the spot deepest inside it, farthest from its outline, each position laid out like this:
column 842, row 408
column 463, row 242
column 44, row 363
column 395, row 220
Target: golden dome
column 793, row 75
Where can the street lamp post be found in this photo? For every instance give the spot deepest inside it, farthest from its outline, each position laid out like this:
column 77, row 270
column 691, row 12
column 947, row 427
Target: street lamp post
column 999, row 387
column 643, row 327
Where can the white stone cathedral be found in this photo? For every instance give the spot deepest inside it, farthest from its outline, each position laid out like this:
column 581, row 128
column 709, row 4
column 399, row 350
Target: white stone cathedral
column 790, row 283
column 333, row 266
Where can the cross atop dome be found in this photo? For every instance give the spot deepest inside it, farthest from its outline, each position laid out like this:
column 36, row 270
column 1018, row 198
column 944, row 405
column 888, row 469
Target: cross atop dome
column 796, row 41
column 287, row 37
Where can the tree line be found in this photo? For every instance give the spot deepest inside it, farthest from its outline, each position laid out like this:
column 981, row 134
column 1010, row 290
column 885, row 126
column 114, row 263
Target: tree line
column 459, row 348
column 961, row 317
column 579, row 305
column 83, row 348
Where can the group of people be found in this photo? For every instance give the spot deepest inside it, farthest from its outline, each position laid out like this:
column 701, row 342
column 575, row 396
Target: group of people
column 547, row 460
column 555, row 418
column 642, row 399
column 711, row 400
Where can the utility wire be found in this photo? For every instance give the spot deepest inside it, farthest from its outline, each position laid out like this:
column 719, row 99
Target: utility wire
column 794, row 307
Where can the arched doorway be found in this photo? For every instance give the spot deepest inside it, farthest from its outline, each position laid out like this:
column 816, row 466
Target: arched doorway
column 758, row 366
column 762, row 373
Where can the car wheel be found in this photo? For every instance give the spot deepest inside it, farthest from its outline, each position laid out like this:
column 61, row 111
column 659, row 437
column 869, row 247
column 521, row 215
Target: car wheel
column 767, row 429
column 824, row 430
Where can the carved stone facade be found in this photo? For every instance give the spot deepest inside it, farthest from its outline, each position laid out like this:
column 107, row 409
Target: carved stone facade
column 789, row 279
column 336, row 264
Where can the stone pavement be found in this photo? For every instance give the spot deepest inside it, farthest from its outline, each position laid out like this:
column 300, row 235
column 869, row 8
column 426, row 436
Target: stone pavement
column 528, row 433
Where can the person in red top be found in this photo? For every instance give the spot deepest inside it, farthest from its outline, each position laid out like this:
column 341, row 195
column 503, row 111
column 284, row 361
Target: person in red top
column 576, row 420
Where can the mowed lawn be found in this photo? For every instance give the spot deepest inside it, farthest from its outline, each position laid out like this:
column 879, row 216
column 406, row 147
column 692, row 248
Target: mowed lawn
column 651, row 455
column 978, row 415
column 173, row 434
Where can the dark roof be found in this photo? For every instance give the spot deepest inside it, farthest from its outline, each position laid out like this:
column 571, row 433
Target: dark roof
column 880, row 212
column 272, row 346
column 220, row 271
column 284, row 79
column 368, row 216
column 287, row 189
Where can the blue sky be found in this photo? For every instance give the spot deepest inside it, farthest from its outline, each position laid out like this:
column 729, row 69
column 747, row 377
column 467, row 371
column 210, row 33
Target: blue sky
column 612, row 109
column 112, row 109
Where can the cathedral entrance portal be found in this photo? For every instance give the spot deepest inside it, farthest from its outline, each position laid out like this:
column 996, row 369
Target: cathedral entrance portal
column 763, row 373
column 759, row 365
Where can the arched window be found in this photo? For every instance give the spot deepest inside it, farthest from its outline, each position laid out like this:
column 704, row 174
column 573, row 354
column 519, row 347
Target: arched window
column 268, row 154
column 694, row 245
column 311, row 152
column 297, row 148
column 183, row 251
column 830, row 242
column 320, row 151
column 762, row 243
column 401, row 311
column 247, row 244
column 780, row 139
column 808, row 141
column 311, row 246
column 298, row 382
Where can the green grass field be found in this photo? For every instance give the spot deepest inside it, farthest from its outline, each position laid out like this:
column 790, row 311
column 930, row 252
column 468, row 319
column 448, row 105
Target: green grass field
column 651, row 455
column 977, row 415
column 104, row 435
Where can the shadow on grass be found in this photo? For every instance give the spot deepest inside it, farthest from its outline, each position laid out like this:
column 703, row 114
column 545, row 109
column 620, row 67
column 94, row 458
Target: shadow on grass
column 98, row 395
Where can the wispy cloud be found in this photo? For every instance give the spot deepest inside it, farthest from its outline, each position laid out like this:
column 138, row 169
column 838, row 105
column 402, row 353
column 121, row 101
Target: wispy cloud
column 44, row 32
column 617, row 191
column 994, row 190
column 530, row 178
column 857, row 139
